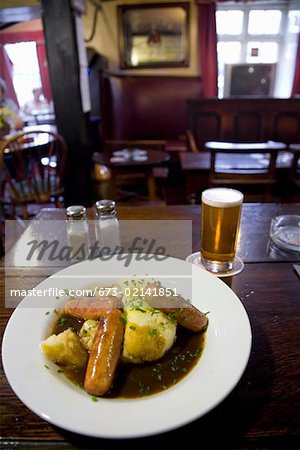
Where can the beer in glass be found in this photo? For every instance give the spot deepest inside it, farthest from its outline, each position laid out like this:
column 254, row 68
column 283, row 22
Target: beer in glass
column 221, row 211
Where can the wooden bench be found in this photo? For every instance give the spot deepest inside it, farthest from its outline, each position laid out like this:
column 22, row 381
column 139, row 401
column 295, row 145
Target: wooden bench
column 146, row 107
column 242, row 120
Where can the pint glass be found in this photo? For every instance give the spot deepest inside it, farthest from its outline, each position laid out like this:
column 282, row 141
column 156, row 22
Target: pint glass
column 221, row 211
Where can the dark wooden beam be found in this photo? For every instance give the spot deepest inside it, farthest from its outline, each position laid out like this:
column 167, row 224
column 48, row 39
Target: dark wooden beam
column 72, row 123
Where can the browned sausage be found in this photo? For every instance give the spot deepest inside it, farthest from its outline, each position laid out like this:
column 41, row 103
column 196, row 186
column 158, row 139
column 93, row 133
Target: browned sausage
column 181, row 310
column 105, row 353
column 91, row 308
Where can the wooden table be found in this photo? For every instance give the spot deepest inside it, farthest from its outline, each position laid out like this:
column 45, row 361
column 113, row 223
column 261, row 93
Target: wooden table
column 130, row 165
column 262, row 412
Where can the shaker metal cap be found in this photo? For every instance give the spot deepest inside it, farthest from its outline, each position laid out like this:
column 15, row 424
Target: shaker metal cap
column 76, row 212
column 105, row 207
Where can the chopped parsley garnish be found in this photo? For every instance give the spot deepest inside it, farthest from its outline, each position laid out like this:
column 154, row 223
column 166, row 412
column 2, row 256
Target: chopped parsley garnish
column 62, row 320
column 184, row 357
column 172, row 316
column 144, row 388
column 195, row 353
column 132, row 327
column 94, row 398
column 136, row 308
column 46, row 313
column 46, row 367
column 59, row 371
column 157, row 372
column 174, row 367
column 123, row 320
column 152, row 332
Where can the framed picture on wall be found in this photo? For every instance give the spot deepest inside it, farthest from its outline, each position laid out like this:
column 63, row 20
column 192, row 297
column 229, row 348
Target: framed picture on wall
column 154, row 35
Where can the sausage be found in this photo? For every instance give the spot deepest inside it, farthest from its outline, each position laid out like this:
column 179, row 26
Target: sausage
column 105, row 353
column 182, row 311
column 189, row 317
column 91, row 308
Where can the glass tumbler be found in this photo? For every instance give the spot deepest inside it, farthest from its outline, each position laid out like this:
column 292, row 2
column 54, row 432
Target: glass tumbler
column 221, row 212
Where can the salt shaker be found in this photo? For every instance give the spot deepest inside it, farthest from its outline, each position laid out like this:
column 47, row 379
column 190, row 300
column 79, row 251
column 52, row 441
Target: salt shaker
column 107, row 228
column 78, row 231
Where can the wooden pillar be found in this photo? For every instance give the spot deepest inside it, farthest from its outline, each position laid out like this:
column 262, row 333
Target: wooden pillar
column 64, row 71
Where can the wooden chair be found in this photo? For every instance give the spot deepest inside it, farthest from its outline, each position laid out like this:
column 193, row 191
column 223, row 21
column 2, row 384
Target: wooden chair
column 1, row 236
column 239, row 173
column 294, row 173
column 191, row 141
column 32, row 164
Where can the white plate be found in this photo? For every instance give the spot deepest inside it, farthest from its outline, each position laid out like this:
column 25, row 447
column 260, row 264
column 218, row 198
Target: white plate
column 140, row 158
column 51, row 396
column 117, row 159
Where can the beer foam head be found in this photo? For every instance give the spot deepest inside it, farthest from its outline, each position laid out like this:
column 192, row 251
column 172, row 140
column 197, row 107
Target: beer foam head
column 222, row 197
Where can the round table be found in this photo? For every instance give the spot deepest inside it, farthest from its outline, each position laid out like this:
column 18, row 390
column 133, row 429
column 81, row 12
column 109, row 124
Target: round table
column 130, row 165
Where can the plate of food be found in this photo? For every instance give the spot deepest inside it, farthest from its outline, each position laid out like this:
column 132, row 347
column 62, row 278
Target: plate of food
column 115, row 350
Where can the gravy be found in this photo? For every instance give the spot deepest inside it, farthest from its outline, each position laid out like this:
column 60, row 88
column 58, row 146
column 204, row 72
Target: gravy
column 138, row 380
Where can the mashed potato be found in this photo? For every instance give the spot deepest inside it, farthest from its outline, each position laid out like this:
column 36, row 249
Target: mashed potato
column 65, row 348
column 149, row 333
column 87, row 333
column 132, row 288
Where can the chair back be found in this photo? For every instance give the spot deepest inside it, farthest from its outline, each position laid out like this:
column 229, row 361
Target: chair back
column 245, row 164
column 32, row 163
column 294, row 175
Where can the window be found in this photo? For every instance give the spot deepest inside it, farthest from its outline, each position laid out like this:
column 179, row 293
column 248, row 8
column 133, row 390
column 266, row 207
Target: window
column 264, row 21
column 26, row 73
column 229, row 22
column 230, row 52
column 259, row 32
column 262, row 52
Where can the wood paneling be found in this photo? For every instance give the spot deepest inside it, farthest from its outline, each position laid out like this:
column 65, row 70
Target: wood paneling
column 244, row 120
